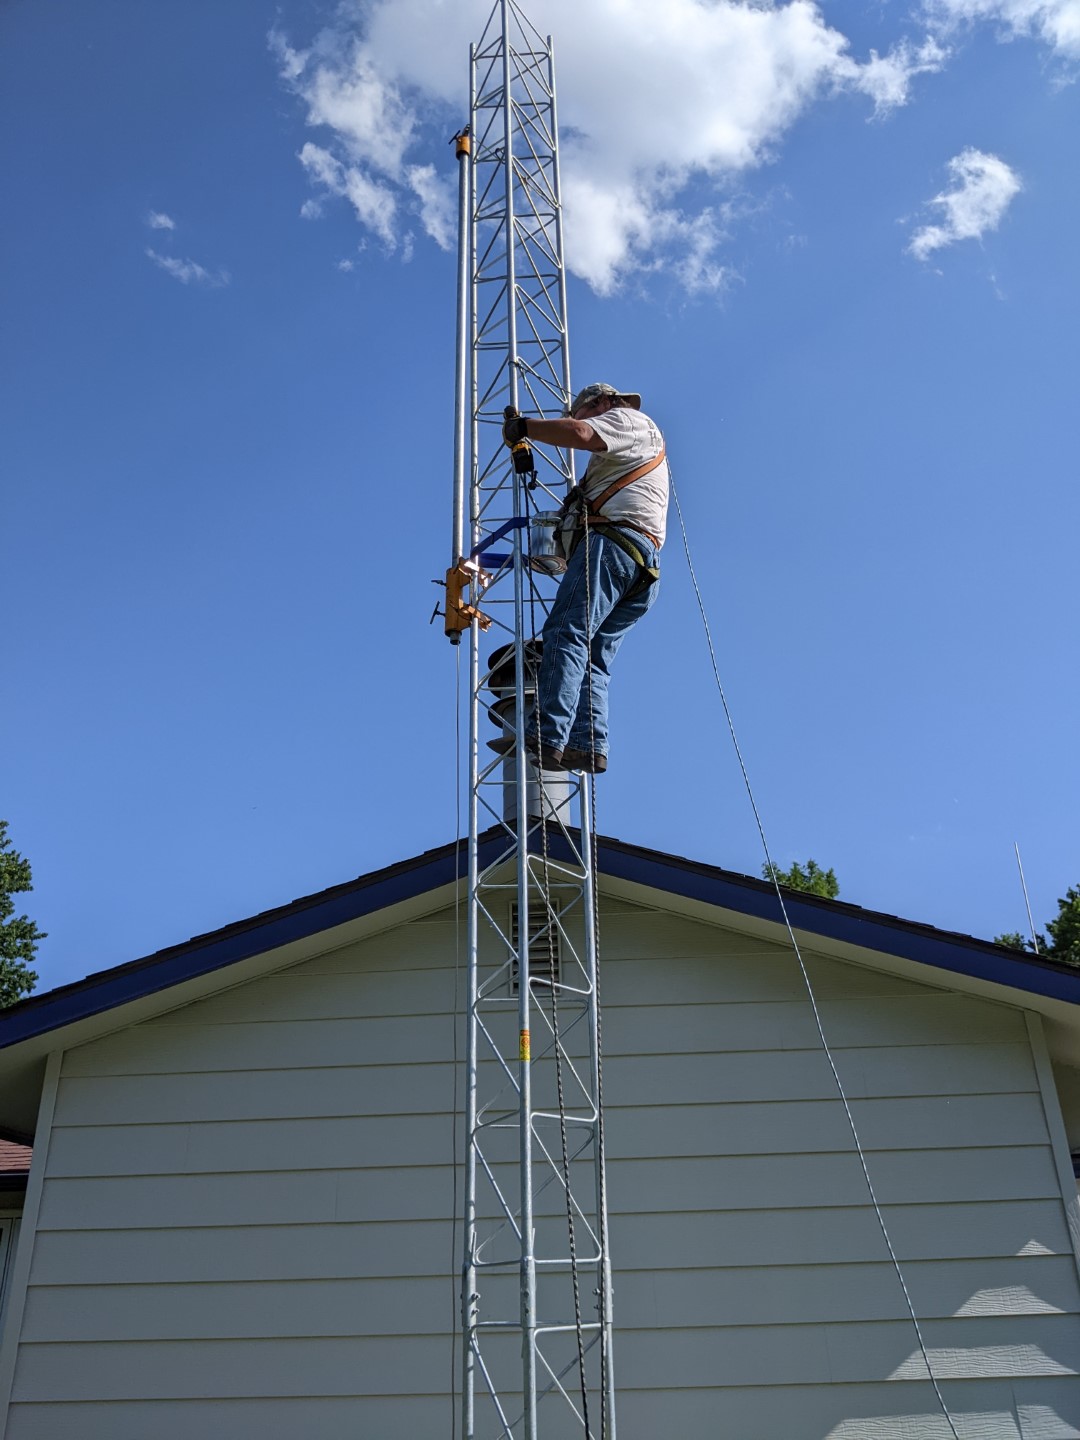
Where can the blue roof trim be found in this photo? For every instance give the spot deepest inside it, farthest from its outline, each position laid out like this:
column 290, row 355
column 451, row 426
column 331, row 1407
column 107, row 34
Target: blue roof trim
column 961, row 954
column 110, row 988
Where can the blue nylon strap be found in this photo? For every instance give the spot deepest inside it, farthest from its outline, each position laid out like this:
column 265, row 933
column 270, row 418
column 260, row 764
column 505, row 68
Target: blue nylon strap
column 518, row 523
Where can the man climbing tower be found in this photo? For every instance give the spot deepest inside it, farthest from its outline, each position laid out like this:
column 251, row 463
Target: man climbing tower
column 613, row 523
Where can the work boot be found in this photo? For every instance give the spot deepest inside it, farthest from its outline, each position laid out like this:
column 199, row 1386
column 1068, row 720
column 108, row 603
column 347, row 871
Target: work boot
column 585, row 760
column 550, row 758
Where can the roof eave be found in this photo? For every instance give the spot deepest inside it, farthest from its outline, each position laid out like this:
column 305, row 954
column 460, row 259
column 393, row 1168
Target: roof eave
column 175, row 976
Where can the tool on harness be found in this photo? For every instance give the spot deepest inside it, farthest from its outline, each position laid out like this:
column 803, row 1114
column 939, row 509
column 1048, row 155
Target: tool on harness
column 520, row 449
column 647, row 574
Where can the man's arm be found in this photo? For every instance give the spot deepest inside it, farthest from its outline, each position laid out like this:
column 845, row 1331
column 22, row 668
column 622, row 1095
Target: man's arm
column 565, row 434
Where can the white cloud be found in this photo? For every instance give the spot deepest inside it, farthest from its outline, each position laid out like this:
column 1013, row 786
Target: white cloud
column 346, row 265
column 984, row 187
column 345, row 90
column 323, row 168
column 158, row 220
column 189, row 272
column 1055, row 22
column 436, row 195
column 374, row 202
column 697, row 268
column 651, row 98
column 887, row 78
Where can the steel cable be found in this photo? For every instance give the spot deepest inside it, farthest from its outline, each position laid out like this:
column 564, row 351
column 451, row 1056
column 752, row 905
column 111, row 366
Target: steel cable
column 601, row 1198
column 600, row 1144
column 549, row 926
column 772, row 871
column 571, row 1229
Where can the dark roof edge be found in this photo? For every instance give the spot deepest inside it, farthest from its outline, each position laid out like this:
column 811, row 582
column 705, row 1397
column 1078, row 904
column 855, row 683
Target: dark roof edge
column 838, row 920
column 833, row 919
column 269, row 930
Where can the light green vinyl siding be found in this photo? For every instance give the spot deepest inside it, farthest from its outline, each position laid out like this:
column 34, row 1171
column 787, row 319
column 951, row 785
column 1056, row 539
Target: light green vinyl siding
column 245, row 1225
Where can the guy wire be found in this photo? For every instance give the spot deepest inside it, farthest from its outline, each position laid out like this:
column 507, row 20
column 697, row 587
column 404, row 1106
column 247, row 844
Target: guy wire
column 805, row 973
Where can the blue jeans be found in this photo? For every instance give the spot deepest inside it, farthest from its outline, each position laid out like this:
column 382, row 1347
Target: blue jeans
column 600, row 610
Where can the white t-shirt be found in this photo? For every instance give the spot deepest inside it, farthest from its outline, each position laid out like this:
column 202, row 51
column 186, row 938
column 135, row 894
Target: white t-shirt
column 632, row 439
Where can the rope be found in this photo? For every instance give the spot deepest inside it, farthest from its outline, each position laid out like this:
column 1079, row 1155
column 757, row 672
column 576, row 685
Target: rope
column 601, row 1199
column 530, row 509
column 553, row 978
column 600, row 1144
column 806, row 977
column 571, row 1229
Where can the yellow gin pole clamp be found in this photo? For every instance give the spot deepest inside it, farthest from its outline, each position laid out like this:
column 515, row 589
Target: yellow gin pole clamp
column 459, row 614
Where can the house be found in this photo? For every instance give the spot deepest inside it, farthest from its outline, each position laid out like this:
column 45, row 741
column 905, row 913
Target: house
column 239, row 1219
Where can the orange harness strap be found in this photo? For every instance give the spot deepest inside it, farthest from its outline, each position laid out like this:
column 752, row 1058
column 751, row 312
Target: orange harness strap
column 595, row 506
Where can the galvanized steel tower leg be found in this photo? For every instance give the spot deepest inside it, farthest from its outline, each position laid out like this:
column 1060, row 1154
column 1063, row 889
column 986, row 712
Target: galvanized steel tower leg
column 535, row 1187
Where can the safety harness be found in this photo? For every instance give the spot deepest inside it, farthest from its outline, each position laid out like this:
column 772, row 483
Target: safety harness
column 591, row 518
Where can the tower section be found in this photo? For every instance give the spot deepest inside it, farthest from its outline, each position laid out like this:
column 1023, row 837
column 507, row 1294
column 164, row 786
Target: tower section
column 536, row 1287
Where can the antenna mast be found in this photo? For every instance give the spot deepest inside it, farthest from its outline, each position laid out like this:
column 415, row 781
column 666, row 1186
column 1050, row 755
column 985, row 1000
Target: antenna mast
column 536, row 1279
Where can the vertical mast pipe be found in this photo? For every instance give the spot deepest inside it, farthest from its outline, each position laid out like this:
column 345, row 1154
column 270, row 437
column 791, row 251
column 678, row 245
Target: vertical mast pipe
column 556, row 190
column 1027, row 902
column 467, row 409
column 470, row 1299
column 466, row 400
column 464, row 159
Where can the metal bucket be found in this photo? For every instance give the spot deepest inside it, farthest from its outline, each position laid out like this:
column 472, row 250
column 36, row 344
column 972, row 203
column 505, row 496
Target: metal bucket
column 543, row 554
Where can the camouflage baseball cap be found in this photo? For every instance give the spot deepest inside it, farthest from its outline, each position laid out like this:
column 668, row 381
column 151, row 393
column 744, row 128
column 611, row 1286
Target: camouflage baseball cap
column 595, row 392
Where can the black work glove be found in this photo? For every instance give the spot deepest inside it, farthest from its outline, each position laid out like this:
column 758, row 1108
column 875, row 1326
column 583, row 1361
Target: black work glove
column 513, row 429
column 572, row 500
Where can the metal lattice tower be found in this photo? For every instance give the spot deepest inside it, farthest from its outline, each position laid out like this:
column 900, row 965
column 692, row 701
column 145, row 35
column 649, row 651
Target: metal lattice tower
column 536, row 1286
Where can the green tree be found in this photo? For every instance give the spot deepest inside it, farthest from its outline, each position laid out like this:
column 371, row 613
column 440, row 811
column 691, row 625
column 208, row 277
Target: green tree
column 809, row 878
column 18, row 935
column 1014, row 940
column 1064, row 931
column 1062, row 938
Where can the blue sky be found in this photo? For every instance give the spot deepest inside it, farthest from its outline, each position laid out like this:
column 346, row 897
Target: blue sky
column 845, row 286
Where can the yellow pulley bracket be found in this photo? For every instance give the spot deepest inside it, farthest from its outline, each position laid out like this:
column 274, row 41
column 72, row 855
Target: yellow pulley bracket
column 459, row 613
